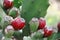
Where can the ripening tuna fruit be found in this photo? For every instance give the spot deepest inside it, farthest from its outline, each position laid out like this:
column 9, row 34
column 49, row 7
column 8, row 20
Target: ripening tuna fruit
column 18, row 23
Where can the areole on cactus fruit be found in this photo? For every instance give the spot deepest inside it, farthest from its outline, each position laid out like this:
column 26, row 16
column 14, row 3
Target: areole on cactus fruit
column 18, row 23
column 8, row 4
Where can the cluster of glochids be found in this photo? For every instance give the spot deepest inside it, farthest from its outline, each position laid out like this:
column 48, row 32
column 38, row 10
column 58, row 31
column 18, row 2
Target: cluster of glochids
column 18, row 23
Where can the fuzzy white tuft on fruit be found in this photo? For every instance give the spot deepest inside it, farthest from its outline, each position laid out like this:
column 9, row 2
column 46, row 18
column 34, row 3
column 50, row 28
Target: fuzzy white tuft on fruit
column 8, row 18
column 8, row 29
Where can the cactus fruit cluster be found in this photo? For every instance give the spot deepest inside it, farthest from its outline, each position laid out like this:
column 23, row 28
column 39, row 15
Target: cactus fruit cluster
column 28, row 20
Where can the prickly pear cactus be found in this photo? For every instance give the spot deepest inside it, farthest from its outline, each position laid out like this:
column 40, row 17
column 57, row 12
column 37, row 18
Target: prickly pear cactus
column 28, row 20
column 33, row 8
